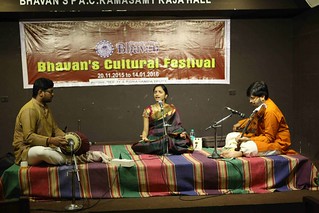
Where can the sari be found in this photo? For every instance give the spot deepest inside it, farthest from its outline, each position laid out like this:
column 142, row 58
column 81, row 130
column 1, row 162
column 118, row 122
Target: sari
column 161, row 142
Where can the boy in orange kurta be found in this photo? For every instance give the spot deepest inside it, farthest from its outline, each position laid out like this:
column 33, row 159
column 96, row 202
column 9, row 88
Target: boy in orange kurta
column 268, row 132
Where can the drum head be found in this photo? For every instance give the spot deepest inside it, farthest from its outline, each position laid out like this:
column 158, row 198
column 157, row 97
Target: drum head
column 80, row 141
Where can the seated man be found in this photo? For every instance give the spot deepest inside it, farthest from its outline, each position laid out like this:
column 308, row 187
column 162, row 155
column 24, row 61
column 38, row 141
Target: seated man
column 264, row 133
column 37, row 138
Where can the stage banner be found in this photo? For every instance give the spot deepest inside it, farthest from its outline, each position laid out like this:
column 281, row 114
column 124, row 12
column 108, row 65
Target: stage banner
column 126, row 52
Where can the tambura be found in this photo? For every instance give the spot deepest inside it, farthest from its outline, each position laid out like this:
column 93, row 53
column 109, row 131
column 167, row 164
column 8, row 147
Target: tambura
column 80, row 141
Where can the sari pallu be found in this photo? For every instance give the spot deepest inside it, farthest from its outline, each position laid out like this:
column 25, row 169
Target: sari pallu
column 159, row 142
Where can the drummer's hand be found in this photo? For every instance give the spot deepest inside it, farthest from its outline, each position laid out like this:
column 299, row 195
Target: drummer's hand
column 57, row 141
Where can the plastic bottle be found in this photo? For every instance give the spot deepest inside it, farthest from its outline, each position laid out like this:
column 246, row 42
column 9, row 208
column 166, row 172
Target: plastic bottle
column 192, row 135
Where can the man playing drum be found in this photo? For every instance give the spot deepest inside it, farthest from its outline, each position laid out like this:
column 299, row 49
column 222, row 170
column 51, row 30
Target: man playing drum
column 37, row 137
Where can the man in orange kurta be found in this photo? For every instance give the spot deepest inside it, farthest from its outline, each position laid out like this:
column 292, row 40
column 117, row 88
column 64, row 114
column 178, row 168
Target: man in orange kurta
column 267, row 133
column 272, row 130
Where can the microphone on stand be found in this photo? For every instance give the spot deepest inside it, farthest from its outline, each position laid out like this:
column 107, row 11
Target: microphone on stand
column 71, row 144
column 74, row 171
column 235, row 112
column 161, row 104
column 165, row 125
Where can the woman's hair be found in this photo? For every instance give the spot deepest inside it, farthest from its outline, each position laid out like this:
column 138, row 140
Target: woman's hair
column 258, row 88
column 163, row 87
column 41, row 84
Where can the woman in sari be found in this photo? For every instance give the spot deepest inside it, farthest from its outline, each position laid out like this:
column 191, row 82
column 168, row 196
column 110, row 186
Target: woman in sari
column 163, row 132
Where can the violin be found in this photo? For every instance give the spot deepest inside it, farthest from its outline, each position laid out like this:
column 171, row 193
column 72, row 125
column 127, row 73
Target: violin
column 250, row 124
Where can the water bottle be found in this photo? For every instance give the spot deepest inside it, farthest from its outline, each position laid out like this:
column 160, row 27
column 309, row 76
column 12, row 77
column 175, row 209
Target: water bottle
column 192, row 135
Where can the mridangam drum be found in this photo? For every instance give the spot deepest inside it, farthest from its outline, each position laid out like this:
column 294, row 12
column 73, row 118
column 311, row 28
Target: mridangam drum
column 80, row 141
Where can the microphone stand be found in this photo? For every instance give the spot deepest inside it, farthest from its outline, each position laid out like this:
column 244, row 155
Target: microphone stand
column 215, row 154
column 165, row 132
column 73, row 206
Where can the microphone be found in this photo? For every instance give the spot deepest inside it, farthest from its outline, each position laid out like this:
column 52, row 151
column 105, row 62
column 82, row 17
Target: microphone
column 235, row 112
column 71, row 144
column 161, row 104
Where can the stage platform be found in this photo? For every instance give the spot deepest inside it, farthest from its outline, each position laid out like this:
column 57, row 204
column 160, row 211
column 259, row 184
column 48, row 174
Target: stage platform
column 278, row 202
column 154, row 183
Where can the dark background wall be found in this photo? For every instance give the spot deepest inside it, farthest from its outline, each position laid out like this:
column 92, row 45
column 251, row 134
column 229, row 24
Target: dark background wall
column 281, row 51
column 305, row 82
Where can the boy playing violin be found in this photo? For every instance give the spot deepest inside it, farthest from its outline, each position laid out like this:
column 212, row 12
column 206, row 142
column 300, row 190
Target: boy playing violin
column 265, row 132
